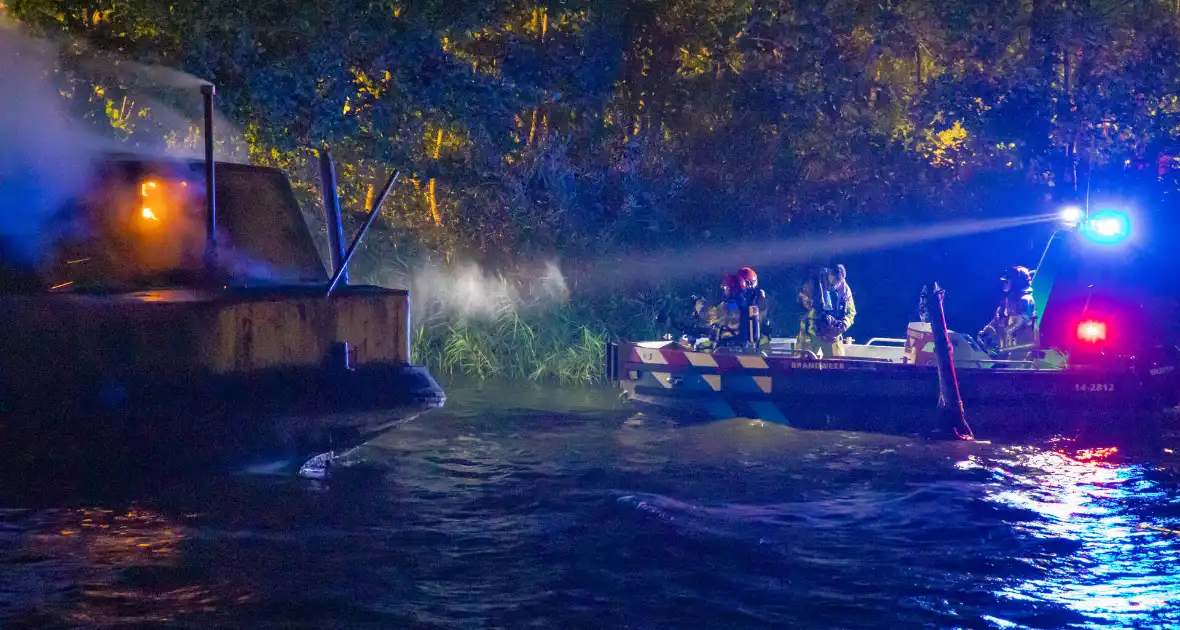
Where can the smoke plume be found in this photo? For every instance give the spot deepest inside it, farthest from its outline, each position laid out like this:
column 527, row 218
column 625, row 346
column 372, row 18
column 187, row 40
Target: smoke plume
column 48, row 151
column 44, row 158
column 467, row 290
column 171, row 103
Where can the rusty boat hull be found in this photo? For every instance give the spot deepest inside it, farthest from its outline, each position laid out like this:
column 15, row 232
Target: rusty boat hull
column 196, row 377
column 883, row 397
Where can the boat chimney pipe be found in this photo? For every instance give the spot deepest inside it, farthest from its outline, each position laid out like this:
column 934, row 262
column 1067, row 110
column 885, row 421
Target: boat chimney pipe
column 950, row 402
column 207, row 92
column 332, row 212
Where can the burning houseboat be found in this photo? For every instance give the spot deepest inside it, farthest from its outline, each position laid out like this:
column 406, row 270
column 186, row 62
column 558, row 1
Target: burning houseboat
column 191, row 320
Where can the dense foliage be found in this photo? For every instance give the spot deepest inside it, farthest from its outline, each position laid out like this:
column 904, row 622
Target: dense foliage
column 527, row 128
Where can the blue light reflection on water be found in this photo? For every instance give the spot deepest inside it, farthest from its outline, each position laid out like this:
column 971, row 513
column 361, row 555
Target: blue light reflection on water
column 492, row 517
column 1125, row 569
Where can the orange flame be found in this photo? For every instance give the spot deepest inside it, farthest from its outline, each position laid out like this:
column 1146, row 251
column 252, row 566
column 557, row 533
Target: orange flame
column 145, row 190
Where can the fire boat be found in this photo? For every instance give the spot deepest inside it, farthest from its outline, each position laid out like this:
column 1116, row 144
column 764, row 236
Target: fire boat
column 897, row 385
column 192, row 321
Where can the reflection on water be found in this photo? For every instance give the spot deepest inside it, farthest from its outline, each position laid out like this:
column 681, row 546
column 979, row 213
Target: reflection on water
column 530, row 506
column 1124, row 563
column 96, row 567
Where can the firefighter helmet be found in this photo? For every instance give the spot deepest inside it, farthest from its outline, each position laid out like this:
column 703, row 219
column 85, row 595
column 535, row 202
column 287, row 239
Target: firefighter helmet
column 1019, row 276
column 731, row 285
column 748, row 278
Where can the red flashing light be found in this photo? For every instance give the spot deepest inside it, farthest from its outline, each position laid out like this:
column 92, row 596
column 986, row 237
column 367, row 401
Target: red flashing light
column 1092, row 331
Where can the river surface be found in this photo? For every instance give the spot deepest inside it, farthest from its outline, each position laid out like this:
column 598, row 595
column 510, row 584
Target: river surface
column 517, row 508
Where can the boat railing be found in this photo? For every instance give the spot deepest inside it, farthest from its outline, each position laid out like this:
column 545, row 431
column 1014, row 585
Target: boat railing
column 859, row 359
column 1031, row 347
column 801, row 354
column 884, row 340
column 811, row 356
column 997, row 363
column 1028, row 347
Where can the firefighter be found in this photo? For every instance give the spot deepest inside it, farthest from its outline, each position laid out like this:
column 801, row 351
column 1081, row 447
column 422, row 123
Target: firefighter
column 751, row 295
column 839, row 311
column 1012, row 325
column 807, row 337
column 804, row 338
column 724, row 318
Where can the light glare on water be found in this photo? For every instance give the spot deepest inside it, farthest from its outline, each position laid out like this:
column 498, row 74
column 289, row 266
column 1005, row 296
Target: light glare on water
column 1125, row 569
column 530, row 507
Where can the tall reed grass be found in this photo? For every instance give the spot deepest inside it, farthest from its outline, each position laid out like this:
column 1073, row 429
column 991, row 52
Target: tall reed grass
column 563, row 343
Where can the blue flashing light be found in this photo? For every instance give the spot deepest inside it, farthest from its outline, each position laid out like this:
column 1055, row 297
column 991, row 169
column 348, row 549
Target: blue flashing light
column 1107, row 227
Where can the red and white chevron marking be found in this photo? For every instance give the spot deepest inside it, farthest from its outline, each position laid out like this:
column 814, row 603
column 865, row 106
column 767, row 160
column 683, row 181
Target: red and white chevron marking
column 672, row 359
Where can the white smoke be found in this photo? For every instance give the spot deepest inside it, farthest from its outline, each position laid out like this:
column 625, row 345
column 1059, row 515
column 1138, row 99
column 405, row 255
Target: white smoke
column 467, row 290
column 44, row 156
column 47, row 153
column 172, row 107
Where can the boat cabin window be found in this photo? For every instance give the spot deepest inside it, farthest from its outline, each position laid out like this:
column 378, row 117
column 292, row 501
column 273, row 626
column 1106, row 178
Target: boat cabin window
column 142, row 225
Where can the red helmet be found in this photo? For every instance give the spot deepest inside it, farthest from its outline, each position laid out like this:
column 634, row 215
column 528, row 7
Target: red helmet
column 731, row 284
column 747, row 277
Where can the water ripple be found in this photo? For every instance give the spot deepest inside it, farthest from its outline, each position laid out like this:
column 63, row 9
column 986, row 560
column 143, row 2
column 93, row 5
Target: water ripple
column 488, row 516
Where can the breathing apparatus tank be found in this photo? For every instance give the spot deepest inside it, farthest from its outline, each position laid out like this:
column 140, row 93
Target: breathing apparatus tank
column 749, row 318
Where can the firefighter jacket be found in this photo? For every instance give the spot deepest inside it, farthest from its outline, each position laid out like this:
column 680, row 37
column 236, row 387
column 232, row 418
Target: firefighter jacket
column 1013, row 322
column 843, row 313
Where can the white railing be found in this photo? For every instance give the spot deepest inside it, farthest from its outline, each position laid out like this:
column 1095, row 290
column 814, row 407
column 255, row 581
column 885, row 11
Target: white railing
column 884, row 340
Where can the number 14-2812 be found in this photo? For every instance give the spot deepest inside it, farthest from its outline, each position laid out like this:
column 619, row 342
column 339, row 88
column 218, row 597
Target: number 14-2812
column 1094, row 387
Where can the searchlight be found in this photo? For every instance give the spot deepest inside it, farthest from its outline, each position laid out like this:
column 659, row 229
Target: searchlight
column 1071, row 216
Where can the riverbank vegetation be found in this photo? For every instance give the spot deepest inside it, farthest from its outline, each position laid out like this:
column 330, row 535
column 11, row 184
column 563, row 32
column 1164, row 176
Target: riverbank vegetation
column 538, row 340
column 577, row 129
column 513, row 345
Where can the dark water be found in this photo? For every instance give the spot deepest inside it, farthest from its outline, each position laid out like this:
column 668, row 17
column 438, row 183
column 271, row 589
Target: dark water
column 490, row 517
